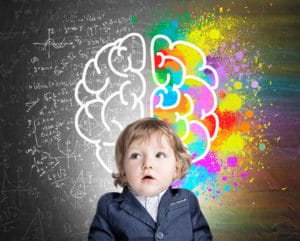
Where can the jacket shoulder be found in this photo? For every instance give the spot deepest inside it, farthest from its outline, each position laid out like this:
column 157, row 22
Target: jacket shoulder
column 110, row 196
column 183, row 192
column 186, row 194
column 107, row 199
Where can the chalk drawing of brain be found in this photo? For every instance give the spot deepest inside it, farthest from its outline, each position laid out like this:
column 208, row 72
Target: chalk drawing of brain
column 111, row 91
column 110, row 94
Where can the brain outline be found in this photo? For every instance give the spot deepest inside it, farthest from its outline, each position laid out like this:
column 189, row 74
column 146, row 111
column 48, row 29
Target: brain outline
column 119, row 95
column 161, row 89
column 118, row 49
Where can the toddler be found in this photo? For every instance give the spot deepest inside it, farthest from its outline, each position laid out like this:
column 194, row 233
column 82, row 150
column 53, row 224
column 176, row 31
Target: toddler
column 149, row 156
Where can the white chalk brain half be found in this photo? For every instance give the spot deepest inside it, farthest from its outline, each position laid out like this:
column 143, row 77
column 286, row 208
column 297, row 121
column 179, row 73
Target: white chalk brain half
column 110, row 94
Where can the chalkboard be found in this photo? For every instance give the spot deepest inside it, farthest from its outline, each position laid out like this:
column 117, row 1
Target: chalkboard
column 51, row 178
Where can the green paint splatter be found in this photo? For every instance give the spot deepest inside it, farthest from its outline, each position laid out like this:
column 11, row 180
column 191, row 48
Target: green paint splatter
column 133, row 20
column 262, row 146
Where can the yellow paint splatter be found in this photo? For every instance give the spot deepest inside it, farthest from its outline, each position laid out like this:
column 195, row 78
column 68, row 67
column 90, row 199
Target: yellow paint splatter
column 238, row 85
column 232, row 102
column 214, row 34
column 234, row 144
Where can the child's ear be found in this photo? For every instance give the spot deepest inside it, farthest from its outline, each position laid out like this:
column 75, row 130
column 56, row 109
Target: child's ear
column 123, row 176
column 177, row 169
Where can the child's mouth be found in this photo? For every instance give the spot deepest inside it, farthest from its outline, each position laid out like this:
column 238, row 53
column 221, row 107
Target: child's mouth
column 148, row 177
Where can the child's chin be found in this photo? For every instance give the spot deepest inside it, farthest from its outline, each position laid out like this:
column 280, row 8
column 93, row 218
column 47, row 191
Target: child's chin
column 151, row 192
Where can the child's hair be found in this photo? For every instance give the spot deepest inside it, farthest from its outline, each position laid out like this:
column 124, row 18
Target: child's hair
column 142, row 129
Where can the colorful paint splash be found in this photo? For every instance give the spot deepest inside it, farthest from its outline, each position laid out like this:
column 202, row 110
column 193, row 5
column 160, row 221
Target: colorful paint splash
column 219, row 115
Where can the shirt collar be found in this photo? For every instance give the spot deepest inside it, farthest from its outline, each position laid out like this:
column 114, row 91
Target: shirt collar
column 150, row 203
column 142, row 198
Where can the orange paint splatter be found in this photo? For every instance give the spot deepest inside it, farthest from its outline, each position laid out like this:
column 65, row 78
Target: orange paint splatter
column 245, row 127
column 249, row 114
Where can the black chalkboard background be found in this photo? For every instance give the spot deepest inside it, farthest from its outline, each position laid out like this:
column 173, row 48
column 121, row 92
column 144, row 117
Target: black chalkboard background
column 50, row 179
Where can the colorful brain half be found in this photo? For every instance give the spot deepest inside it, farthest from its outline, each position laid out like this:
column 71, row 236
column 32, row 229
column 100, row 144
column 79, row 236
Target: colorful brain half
column 185, row 92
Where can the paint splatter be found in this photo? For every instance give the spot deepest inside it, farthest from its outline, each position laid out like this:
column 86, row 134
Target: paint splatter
column 240, row 143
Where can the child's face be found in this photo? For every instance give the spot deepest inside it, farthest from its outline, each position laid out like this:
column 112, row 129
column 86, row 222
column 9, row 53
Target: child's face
column 150, row 165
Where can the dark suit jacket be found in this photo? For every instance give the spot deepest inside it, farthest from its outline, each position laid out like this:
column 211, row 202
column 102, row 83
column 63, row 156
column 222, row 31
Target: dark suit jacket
column 121, row 217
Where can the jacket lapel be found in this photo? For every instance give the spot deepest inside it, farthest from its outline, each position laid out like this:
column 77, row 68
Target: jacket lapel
column 164, row 204
column 132, row 206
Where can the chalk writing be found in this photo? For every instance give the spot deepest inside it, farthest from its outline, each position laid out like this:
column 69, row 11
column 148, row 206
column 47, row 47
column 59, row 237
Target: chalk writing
column 50, row 42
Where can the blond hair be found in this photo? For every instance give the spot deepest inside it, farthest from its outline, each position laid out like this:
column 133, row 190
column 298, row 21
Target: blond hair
column 142, row 129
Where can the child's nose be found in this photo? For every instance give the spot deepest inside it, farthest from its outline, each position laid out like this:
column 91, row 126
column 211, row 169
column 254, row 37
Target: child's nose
column 147, row 163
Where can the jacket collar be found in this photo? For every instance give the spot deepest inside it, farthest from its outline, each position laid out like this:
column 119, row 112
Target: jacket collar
column 133, row 207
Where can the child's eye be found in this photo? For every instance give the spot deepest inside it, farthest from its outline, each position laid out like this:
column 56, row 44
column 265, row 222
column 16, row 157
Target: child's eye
column 160, row 155
column 135, row 156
